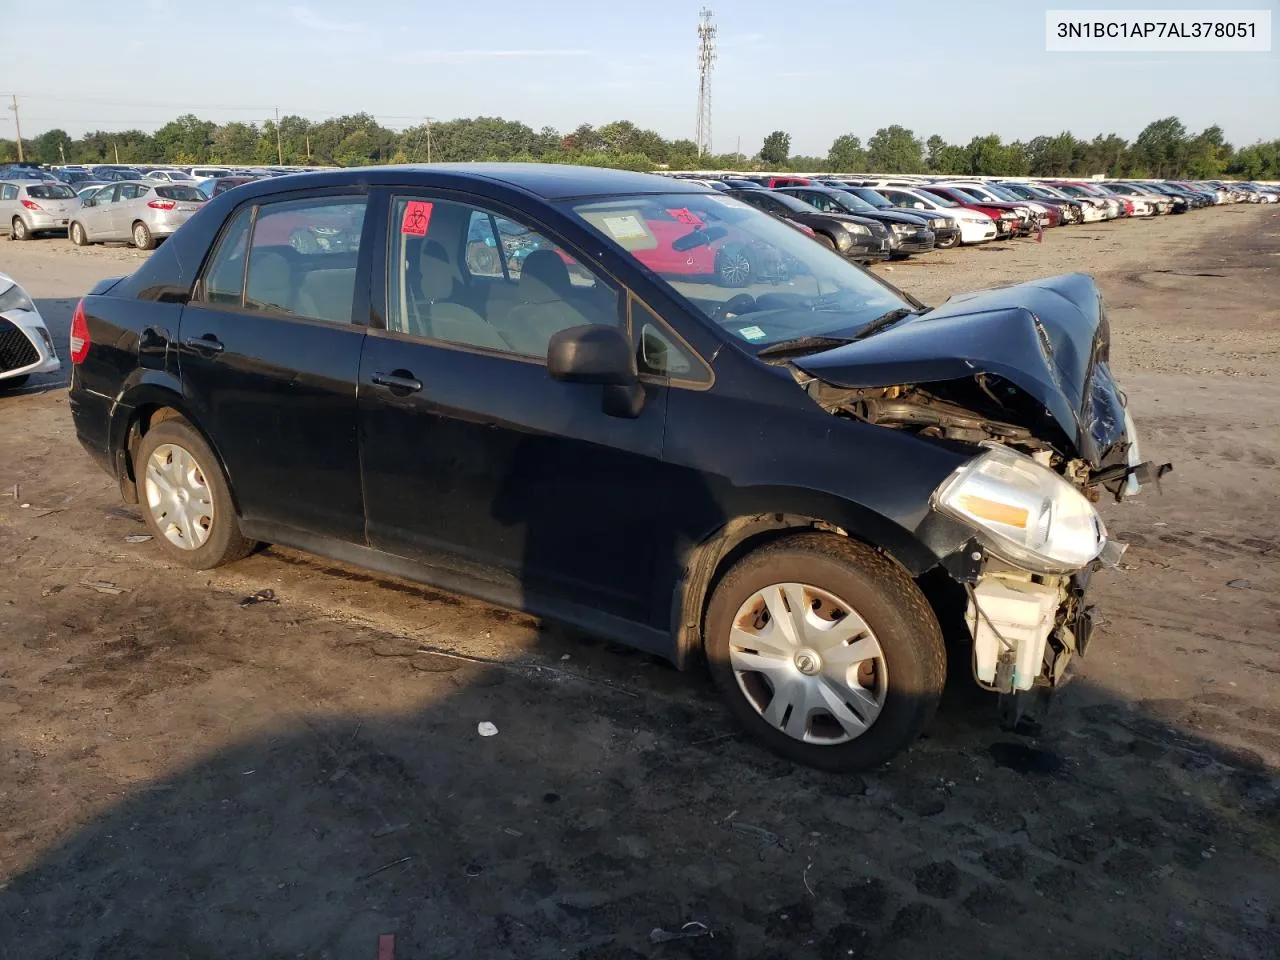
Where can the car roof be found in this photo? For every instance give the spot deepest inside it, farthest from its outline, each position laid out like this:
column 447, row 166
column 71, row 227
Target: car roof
column 549, row 181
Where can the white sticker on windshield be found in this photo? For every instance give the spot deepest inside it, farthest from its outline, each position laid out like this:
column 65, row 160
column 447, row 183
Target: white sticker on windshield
column 626, row 227
column 752, row 333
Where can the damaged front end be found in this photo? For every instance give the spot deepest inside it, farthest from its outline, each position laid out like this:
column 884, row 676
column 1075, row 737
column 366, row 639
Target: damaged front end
column 1020, row 375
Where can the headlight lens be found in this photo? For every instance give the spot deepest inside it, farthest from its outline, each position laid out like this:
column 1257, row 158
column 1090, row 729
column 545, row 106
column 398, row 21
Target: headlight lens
column 901, row 228
column 976, row 219
column 857, row 229
column 1023, row 512
column 15, row 299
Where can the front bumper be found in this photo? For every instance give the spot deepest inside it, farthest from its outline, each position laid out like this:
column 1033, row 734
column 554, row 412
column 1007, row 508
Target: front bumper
column 869, row 250
column 978, row 232
column 25, row 345
column 922, row 241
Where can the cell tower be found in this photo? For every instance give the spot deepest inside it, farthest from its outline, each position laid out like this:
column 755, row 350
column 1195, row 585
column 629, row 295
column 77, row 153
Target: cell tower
column 706, row 58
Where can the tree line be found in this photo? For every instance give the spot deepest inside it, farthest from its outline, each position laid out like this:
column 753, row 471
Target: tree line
column 1165, row 148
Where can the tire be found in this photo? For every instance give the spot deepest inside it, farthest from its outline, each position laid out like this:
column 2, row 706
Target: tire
column 953, row 242
column 905, row 671
column 734, row 267
column 77, row 235
column 19, row 229
column 222, row 541
column 142, row 238
column 825, row 240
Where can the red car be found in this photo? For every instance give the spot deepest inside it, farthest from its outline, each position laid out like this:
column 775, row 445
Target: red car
column 1009, row 221
column 735, row 260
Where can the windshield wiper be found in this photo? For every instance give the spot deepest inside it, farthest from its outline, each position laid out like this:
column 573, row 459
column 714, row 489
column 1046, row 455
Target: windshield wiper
column 800, row 346
column 884, row 320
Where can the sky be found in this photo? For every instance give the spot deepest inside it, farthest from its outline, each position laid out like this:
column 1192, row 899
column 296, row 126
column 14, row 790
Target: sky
column 958, row 69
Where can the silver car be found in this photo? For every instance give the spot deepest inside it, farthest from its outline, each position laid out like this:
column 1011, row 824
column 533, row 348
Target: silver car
column 30, row 207
column 142, row 213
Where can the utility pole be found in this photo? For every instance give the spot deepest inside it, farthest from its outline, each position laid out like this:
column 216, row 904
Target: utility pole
column 17, row 125
column 428, row 119
column 279, row 142
column 308, row 146
column 116, row 147
column 706, row 59
column 63, row 154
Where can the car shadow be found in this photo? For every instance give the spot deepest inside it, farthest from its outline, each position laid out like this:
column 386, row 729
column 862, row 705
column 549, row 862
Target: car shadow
column 599, row 824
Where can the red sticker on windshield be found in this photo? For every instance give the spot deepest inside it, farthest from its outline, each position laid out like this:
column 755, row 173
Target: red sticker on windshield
column 417, row 217
column 684, row 215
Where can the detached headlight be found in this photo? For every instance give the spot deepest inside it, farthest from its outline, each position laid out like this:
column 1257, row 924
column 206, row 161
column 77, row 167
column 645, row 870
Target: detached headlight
column 1023, row 512
column 15, row 299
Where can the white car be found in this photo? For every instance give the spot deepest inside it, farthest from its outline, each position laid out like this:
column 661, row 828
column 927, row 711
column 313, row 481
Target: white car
column 975, row 226
column 25, row 344
column 172, row 176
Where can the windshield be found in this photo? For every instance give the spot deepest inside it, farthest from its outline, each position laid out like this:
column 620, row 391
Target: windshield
column 759, row 279
column 869, row 195
column 1001, row 193
column 851, row 202
column 53, row 191
column 941, row 201
column 182, row 194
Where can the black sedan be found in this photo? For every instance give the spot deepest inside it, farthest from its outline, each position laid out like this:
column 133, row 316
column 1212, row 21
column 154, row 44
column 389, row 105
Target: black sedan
column 859, row 239
column 911, row 232
column 808, row 479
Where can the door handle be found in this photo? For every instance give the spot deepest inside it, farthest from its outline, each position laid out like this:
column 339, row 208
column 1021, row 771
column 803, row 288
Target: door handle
column 208, row 343
column 398, row 381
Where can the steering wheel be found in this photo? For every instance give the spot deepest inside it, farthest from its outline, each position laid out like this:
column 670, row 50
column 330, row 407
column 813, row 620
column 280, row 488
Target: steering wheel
column 738, row 305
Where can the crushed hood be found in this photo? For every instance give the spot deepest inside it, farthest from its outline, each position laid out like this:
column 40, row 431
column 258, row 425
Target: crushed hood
column 1049, row 338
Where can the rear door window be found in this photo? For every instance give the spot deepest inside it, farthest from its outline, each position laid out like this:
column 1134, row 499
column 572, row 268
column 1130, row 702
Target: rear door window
column 224, row 281
column 303, row 258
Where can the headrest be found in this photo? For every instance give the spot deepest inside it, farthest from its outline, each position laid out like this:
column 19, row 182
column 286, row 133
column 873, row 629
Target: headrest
column 543, row 277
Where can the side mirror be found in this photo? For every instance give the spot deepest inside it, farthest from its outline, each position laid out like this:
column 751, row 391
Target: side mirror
column 596, row 353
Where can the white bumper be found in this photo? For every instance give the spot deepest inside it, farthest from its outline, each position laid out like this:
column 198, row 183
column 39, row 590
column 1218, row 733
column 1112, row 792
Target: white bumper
column 977, row 232
column 31, row 325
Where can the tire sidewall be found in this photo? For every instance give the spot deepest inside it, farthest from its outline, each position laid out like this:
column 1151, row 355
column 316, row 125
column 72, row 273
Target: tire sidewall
column 78, row 235
column 19, row 228
column 147, row 241
column 225, row 532
column 892, row 606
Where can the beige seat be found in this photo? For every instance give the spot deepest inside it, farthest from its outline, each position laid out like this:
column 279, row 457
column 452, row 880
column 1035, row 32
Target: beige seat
column 270, row 284
column 542, row 307
column 434, row 316
column 327, row 294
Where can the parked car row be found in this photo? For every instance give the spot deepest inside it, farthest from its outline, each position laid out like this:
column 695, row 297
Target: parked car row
column 870, row 218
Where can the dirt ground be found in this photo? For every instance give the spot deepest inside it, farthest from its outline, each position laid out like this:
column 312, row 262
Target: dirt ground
column 184, row 775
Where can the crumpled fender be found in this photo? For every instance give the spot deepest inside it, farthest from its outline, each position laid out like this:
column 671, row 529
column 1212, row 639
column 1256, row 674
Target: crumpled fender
column 1050, row 338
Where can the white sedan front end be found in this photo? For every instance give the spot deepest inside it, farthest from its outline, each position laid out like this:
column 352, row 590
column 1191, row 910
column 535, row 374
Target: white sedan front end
column 25, row 344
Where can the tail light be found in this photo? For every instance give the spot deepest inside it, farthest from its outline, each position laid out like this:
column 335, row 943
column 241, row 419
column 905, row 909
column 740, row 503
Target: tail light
column 162, row 204
column 30, row 204
column 79, row 335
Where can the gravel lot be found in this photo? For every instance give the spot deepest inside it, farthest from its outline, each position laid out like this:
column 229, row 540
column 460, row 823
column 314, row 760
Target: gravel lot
column 183, row 775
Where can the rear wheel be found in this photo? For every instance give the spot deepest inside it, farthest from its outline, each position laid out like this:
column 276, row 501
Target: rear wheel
column 20, row 231
column 826, row 651
column 185, row 498
column 77, row 235
column 142, row 238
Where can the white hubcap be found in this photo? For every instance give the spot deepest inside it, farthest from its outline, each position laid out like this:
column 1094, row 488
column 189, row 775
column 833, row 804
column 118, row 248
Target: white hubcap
column 178, row 497
column 808, row 664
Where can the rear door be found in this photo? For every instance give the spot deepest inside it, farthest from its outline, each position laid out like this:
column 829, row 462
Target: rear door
column 269, row 355
column 477, row 462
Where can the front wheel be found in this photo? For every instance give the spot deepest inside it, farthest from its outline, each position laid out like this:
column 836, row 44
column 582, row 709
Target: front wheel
column 142, row 238
column 185, row 498
column 825, row 651
column 952, row 241
column 77, row 235
column 825, row 240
